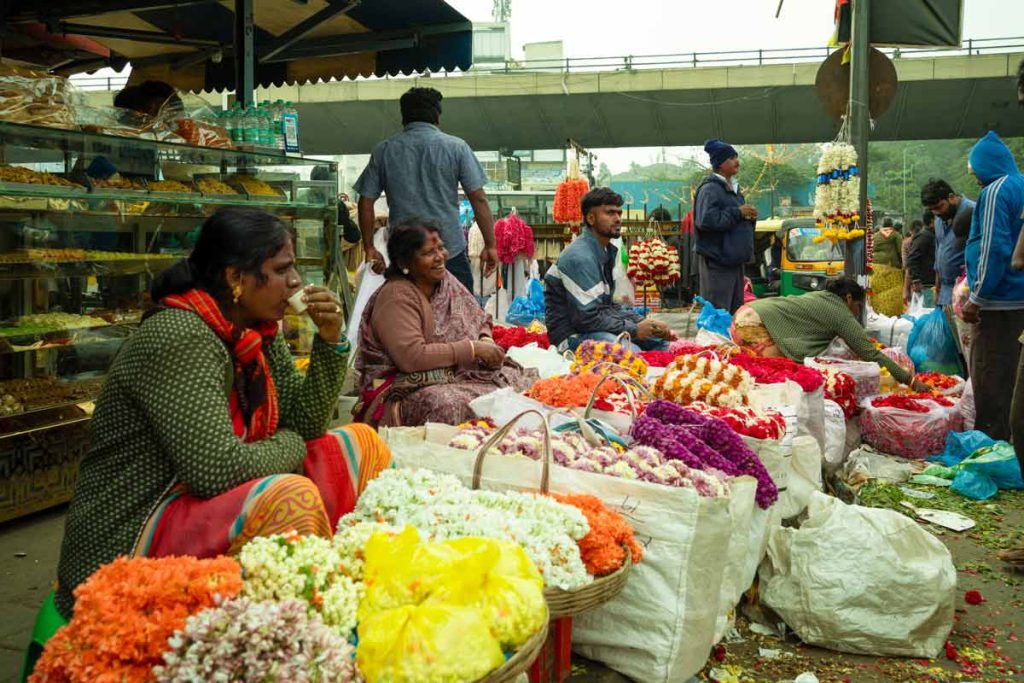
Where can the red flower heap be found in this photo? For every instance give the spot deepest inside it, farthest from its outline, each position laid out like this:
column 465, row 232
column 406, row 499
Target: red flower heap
column 778, row 370
column 652, row 262
column 842, row 389
column 763, row 425
column 507, row 337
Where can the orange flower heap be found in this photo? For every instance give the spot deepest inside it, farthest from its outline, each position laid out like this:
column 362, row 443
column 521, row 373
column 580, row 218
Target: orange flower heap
column 603, row 548
column 569, row 391
column 126, row 611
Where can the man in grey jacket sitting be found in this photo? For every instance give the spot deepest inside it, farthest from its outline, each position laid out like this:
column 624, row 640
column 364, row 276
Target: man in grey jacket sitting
column 724, row 224
column 579, row 288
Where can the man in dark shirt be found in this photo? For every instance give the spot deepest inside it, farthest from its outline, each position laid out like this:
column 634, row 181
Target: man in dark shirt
column 921, row 263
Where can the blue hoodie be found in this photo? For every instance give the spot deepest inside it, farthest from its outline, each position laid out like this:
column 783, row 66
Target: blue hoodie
column 997, row 222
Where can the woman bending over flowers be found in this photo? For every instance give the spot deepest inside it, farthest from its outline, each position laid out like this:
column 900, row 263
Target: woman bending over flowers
column 799, row 327
column 425, row 345
column 204, row 423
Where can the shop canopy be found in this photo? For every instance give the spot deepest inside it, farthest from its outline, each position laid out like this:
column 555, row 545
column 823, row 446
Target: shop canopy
column 194, row 44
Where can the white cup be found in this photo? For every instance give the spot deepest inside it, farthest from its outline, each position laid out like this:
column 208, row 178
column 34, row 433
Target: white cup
column 296, row 302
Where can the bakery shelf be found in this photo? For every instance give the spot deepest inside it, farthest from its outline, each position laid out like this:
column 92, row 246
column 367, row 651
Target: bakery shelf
column 100, row 267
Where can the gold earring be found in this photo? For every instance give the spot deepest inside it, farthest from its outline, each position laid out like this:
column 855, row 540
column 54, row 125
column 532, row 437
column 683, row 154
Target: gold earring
column 236, row 292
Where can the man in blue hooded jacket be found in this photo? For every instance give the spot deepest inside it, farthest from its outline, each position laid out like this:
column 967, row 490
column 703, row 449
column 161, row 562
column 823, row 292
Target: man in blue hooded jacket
column 724, row 224
column 997, row 291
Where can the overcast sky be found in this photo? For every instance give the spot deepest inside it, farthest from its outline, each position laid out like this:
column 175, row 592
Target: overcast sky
column 603, row 28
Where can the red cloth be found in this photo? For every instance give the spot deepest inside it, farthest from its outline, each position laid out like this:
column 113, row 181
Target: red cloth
column 686, row 225
column 252, row 370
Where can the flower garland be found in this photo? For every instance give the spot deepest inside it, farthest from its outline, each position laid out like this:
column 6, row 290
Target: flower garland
column 652, row 262
column 441, row 508
column 702, row 442
column 602, row 547
column 507, row 337
column 683, row 347
column 306, row 568
column 692, row 378
column 570, row 391
column 837, row 194
column 568, row 196
column 244, row 640
column 778, row 370
column 763, row 425
column 125, row 612
column 601, row 357
column 514, row 238
column 842, row 389
column 618, row 402
column 571, row 450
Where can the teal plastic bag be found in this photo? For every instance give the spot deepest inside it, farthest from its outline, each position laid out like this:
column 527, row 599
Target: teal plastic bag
column 959, row 445
column 713, row 319
column 932, row 346
column 981, row 474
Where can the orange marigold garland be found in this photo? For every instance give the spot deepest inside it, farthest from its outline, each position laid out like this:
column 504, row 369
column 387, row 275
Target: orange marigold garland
column 602, row 549
column 126, row 611
column 569, row 391
column 568, row 196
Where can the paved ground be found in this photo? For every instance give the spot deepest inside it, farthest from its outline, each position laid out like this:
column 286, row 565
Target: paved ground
column 989, row 638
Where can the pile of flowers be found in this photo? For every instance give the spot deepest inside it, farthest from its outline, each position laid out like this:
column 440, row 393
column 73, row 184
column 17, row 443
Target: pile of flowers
column 603, row 548
column 514, row 238
column 605, row 357
column 837, row 194
column 618, row 402
column 684, row 347
column 441, row 508
column 126, row 611
column 900, row 357
column 702, row 443
column 568, row 196
column 943, row 384
column 244, row 640
column 778, row 370
column 764, row 425
column 915, row 403
column 705, row 379
column 840, row 388
column 571, row 450
column 652, row 262
column 507, row 337
column 306, row 568
column 570, row 391
column 658, row 359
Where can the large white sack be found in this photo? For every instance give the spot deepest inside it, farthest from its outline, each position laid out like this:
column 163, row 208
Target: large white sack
column 861, row 580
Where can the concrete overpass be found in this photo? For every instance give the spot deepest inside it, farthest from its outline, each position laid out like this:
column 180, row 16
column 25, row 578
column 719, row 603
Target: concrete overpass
column 940, row 96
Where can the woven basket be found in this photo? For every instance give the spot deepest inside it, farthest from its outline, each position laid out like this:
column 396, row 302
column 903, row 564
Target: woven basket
column 520, row 662
column 563, row 603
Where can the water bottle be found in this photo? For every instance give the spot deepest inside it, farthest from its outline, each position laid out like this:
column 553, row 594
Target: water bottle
column 251, row 131
column 234, row 125
column 277, row 114
column 291, row 127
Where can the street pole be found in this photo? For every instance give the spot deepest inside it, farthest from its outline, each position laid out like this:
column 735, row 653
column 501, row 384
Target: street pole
column 905, row 185
column 860, row 118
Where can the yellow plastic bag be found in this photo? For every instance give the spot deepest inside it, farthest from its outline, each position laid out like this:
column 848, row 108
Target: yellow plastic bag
column 433, row 643
column 503, row 583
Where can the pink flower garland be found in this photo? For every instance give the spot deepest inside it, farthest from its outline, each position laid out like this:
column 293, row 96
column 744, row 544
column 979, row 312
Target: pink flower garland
column 514, row 237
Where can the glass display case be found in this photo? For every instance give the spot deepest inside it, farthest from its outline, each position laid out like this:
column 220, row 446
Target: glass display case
column 77, row 258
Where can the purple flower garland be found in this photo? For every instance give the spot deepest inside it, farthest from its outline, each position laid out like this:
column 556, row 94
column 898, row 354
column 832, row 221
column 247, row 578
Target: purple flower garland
column 703, row 443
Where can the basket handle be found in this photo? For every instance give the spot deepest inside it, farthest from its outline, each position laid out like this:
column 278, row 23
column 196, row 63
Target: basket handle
column 628, row 384
column 496, row 438
column 624, row 336
column 588, row 433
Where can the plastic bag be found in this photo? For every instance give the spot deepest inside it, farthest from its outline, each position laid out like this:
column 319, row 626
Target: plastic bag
column 987, row 470
column 525, row 309
column 932, row 345
column 908, row 434
column 36, row 98
column 865, row 464
column 917, row 307
column 959, row 445
column 967, row 410
column 369, row 283
column 897, row 567
column 835, row 437
column 431, row 642
column 866, row 376
column 713, row 319
column 547, row 362
column 840, row 349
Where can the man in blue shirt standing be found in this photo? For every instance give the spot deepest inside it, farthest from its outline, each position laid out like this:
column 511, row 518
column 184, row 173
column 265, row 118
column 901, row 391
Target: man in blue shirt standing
column 420, row 170
column 939, row 198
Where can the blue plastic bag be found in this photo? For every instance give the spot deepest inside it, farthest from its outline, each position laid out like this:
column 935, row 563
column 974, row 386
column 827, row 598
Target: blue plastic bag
column 987, row 470
column 525, row 309
column 713, row 319
column 960, row 445
column 932, row 345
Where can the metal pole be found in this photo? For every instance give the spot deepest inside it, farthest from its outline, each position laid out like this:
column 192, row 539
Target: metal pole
column 905, row 183
column 860, row 118
column 244, row 53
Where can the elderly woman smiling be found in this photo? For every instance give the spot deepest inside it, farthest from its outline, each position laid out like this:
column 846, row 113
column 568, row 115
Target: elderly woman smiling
column 204, row 423
column 425, row 346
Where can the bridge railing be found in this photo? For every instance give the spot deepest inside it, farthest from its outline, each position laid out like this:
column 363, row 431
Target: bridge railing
column 759, row 57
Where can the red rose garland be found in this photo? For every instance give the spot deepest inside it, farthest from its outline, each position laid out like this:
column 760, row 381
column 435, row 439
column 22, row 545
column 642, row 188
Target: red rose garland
column 778, row 370
column 652, row 262
column 507, row 337
column 514, row 238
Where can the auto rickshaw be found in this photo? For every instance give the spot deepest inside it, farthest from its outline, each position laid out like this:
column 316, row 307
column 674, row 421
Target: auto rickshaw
column 764, row 270
column 807, row 264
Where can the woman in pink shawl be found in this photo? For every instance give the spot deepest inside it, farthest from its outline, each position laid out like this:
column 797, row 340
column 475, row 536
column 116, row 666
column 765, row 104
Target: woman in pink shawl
column 425, row 346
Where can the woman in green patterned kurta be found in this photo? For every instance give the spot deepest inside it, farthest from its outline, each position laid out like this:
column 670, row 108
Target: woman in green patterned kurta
column 204, row 424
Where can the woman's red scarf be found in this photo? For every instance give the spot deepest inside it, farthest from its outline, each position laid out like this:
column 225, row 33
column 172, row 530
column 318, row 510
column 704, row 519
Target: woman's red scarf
column 253, row 395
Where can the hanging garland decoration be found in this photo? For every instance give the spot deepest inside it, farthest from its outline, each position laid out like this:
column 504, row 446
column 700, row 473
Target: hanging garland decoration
column 652, row 262
column 568, row 195
column 514, row 238
column 837, row 194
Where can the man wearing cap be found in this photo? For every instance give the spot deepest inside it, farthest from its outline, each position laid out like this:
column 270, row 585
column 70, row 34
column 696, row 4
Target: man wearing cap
column 724, row 224
column 420, row 171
